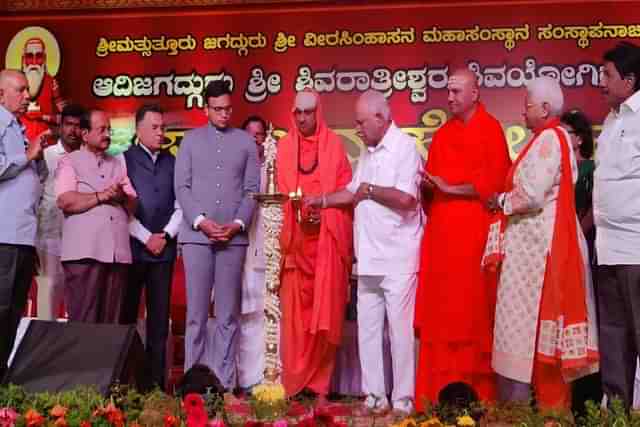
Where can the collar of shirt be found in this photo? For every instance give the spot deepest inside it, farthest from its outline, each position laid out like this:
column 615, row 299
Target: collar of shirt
column 218, row 130
column 387, row 142
column 631, row 104
column 154, row 156
column 6, row 117
column 59, row 148
column 98, row 156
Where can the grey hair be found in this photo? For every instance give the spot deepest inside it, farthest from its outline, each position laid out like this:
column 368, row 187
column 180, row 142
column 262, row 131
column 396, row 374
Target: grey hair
column 376, row 103
column 546, row 89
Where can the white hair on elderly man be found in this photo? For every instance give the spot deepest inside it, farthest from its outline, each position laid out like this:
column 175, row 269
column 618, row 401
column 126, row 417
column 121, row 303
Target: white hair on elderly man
column 376, row 103
column 546, row 90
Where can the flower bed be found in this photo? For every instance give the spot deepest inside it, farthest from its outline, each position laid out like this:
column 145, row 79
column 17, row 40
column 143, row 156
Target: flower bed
column 85, row 407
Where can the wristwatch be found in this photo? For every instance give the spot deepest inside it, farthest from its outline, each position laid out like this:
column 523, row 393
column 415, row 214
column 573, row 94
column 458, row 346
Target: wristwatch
column 501, row 198
column 370, row 191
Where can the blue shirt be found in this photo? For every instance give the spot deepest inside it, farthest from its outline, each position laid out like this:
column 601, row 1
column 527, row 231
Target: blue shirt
column 20, row 184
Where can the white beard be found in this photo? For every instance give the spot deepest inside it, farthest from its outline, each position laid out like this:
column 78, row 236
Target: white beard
column 35, row 77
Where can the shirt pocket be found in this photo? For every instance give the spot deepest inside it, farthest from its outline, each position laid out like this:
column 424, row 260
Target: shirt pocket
column 386, row 173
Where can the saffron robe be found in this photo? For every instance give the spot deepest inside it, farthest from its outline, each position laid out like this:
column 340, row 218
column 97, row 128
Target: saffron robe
column 316, row 259
column 455, row 300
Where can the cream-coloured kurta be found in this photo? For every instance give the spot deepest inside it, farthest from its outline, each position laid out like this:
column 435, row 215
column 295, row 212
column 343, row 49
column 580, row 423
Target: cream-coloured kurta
column 253, row 276
column 531, row 211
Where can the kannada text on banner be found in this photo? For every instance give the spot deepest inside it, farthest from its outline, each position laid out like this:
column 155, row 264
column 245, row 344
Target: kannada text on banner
column 118, row 62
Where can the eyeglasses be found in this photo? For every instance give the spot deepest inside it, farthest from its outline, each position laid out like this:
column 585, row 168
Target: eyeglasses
column 228, row 109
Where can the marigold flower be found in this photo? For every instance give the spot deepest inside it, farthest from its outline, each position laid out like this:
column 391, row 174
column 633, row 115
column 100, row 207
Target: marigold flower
column 58, row 411
column 465, row 420
column 33, row 418
column 431, row 422
column 407, row 422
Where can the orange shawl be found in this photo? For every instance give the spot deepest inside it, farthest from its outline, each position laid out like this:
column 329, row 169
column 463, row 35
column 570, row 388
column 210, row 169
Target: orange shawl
column 334, row 259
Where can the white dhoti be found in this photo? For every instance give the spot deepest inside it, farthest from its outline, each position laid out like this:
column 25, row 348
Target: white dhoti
column 50, row 285
column 251, row 345
column 251, row 341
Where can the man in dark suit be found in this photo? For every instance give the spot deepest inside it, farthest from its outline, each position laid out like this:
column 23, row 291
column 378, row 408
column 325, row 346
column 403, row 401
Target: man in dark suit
column 153, row 230
column 216, row 170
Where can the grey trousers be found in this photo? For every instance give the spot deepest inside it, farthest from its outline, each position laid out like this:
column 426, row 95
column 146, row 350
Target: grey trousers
column 207, row 266
column 619, row 314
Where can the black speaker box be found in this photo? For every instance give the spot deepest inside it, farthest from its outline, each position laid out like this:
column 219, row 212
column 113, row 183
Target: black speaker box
column 57, row 356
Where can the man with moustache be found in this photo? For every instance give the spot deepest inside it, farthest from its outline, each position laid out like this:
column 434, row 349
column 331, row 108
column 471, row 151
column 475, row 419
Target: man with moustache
column 616, row 208
column 468, row 162
column 316, row 249
column 50, row 218
column 96, row 197
column 153, row 229
column 44, row 90
column 387, row 231
column 251, row 340
column 22, row 172
column 216, row 171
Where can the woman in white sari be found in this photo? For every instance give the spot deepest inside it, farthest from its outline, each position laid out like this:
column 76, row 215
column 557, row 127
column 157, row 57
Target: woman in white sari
column 545, row 334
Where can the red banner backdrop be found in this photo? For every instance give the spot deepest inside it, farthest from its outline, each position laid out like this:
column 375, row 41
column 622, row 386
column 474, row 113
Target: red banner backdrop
column 119, row 61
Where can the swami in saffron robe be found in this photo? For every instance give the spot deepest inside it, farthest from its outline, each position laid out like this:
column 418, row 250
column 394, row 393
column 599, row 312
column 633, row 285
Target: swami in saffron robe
column 455, row 300
column 316, row 258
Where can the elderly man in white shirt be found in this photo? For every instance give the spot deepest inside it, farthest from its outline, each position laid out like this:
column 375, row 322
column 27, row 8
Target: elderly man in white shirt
column 616, row 208
column 388, row 227
column 50, row 217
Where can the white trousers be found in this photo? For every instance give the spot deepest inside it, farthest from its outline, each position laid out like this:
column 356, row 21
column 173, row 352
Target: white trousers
column 50, row 285
column 393, row 296
column 251, row 349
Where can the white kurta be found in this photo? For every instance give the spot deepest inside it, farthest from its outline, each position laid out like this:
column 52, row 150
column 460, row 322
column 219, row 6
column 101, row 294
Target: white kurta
column 48, row 241
column 531, row 211
column 251, row 348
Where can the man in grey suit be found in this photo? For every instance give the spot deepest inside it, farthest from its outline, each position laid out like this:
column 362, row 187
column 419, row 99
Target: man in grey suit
column 216, row 170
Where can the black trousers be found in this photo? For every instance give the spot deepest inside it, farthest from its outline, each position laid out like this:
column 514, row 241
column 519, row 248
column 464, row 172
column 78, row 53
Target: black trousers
column 155, row 279
column 619, row 315
column 17, row 268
